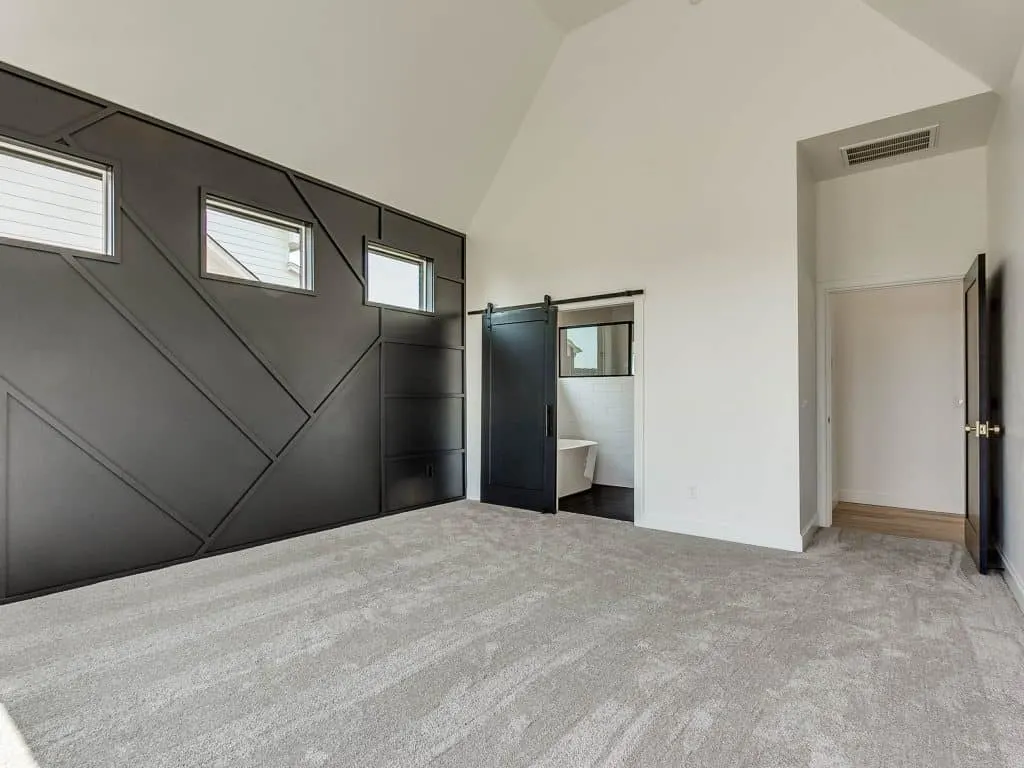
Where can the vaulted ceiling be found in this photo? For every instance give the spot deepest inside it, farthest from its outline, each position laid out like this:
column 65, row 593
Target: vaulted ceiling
column 984, row 37
column 412, row 102
column 570, row 14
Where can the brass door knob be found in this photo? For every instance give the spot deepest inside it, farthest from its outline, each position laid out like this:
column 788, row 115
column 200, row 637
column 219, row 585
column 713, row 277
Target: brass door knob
column 985, row 429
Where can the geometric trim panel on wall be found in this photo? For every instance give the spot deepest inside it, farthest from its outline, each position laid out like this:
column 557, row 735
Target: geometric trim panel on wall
column 331, row 473
column 150, row 288
column 297, row 335
column 71, row 352
column 153, row 414
column 46, row 478
column 39, row 111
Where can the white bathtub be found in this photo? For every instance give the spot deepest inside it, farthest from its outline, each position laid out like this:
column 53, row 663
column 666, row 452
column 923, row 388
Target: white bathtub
column 576, row 462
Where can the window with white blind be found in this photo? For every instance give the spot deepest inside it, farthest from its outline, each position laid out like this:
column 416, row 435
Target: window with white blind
column 248, row 245
column 399, row 280
column 53, row 199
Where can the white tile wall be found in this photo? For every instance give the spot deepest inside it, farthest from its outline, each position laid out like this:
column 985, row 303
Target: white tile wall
column 601, row 409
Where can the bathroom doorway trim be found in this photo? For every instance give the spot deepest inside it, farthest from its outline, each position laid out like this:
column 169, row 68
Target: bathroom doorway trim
column 636, row 298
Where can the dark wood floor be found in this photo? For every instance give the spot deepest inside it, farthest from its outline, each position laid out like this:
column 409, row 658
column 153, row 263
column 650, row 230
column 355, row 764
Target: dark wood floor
column 601, row 501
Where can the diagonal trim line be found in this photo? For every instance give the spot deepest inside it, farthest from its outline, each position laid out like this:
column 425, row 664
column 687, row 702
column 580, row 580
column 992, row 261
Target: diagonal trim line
column 331, row 389
column 209, row 301
column 320, row 221
column 122, row 310
column 68, row 434
column 69, row 129
column 295, row 439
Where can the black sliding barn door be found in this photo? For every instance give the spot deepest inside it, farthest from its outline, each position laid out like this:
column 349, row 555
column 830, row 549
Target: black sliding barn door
column 520, row 377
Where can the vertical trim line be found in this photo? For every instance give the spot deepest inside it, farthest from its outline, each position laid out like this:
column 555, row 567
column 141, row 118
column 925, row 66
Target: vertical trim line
column 5, row 399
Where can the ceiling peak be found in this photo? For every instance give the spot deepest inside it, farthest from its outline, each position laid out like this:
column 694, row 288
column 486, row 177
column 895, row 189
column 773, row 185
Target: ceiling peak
column 570, row 14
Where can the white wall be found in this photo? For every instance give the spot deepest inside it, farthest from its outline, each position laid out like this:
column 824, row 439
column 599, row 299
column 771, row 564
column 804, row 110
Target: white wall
column 898, row 385
column 1006, row 233
column 660, row 153
column 807, row 227
column 411, row 103
column 921, row 220
column 601, row 409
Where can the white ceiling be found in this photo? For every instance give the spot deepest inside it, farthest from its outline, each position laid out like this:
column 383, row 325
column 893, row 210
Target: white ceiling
column 413, row 103
column 570, row 14
column 984, row 37
column 963, row 124
column 409, row 102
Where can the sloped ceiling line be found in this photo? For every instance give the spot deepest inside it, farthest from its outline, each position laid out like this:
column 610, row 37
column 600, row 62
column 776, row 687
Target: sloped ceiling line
column 984, row 37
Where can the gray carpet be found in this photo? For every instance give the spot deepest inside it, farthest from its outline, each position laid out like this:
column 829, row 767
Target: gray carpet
column 473, row 636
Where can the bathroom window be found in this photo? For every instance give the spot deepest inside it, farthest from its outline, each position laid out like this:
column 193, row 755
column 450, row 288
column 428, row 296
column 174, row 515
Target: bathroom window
column 244, row 244
column 399, row 280
column 54, row 199
column 596, row 350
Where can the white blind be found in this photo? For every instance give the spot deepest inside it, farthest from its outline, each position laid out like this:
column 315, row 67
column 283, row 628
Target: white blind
column 48, row 200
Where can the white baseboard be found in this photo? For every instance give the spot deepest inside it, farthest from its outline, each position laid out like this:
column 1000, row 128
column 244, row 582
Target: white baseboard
column 711, row 530
column 808, row 534
column 1013, row 581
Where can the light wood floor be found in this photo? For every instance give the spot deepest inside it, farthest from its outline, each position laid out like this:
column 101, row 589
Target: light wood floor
column 910, row 523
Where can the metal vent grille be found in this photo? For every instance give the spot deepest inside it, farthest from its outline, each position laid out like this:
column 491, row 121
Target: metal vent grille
column 890, row 146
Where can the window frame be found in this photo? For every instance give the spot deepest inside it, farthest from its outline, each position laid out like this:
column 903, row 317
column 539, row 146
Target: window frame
column 234, row 205
column 629, row 356
column 73, row 159
column 427, row 283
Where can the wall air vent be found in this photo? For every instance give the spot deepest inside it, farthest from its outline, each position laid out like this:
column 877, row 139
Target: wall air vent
column 890, row 146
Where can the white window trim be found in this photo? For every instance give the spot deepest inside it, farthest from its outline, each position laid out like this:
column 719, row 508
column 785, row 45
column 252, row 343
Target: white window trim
column 427, row 278
column 64, row 160
column 304, row 264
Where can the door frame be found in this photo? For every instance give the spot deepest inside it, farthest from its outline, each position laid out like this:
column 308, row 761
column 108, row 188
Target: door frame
column 824, row 350
column 638, row 391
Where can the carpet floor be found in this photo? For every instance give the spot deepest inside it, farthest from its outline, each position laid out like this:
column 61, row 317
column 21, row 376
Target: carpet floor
column 468, row 635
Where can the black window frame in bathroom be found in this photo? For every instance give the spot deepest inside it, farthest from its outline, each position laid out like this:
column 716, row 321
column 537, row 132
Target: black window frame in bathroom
column 631, row 373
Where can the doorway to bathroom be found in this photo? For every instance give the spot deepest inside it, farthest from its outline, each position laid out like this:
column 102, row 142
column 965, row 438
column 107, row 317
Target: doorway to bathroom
column 596, row 410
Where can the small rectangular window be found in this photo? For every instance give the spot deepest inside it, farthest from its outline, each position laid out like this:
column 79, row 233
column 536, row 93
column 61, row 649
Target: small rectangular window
column 50, row 198
column 596, row 350
column 400, row 280
column 252, row 246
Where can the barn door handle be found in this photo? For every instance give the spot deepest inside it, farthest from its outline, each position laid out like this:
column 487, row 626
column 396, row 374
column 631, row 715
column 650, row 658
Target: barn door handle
column 549, row 421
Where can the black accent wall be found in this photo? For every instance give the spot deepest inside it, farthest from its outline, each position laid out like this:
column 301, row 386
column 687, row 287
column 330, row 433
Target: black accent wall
column 150, row 416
